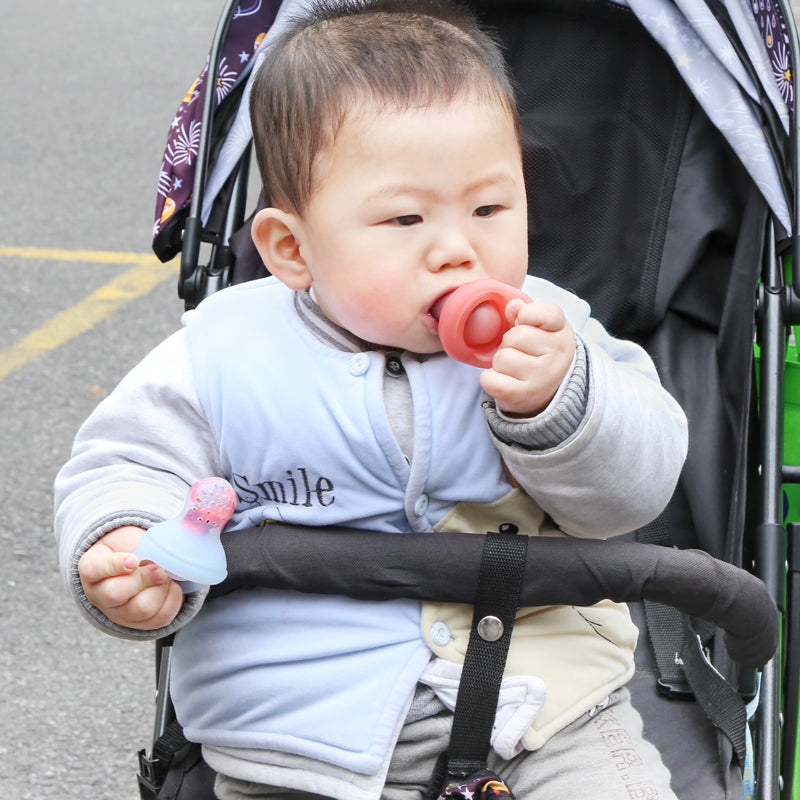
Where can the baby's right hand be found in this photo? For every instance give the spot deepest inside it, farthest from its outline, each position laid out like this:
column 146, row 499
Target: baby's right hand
column 130, row 593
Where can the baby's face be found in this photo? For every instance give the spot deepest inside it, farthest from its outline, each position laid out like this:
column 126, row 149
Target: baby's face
column 409, row 205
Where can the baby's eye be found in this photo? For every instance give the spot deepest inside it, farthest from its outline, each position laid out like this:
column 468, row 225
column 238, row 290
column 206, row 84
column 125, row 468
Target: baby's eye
column 486, row 211
column 405, row 220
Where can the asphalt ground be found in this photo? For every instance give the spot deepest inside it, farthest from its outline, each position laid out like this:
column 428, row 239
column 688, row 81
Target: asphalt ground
column 87, row 94
column 86, row 97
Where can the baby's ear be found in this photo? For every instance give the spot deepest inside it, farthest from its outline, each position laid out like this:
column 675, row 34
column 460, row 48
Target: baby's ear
column 276, row 235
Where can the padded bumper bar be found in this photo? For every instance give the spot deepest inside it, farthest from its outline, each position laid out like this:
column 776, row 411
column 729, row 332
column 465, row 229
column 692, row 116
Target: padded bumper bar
column 443, row 567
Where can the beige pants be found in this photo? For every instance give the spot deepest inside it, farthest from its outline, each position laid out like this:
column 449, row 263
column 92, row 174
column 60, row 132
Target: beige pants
column 602, row 756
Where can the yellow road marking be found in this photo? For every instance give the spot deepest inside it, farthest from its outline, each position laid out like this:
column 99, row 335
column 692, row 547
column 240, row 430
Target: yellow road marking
column 145, row 274
column 87, row 256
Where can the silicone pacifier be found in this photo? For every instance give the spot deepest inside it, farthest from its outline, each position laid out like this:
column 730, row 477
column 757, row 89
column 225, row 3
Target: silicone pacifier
column 472, row 320
column 188, row 547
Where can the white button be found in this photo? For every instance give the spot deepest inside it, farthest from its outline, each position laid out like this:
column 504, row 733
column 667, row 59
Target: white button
column 359, row 364
column 421, row 506
column 440, row 633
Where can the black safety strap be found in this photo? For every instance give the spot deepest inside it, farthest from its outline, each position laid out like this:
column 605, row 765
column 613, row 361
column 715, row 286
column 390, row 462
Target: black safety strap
column 496, row 603
column 175, row 769
column 721, row 702
column 683, row 666
column 665, row 624
column 154, row 767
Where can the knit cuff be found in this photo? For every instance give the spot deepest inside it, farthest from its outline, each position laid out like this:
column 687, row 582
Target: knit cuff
column 192, row 603
column 553, row 426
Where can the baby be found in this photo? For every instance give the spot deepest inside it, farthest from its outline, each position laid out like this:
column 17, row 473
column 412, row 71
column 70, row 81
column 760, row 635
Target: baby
column 388, row 144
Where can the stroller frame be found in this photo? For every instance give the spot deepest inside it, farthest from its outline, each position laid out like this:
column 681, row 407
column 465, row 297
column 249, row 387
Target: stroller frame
column 776, row 553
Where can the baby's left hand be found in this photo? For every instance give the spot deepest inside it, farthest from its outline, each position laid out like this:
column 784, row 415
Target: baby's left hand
column 532, row 360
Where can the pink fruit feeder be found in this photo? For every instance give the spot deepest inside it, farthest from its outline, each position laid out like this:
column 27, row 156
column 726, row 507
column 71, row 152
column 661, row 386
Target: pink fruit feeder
column 472, row 320
column 188, row 546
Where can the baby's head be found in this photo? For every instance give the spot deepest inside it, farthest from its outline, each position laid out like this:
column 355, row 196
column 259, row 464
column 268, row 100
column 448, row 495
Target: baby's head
column 346, row 55
column 387, row 138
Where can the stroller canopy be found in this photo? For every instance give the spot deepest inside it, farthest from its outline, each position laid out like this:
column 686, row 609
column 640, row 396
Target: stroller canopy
column 734, row 55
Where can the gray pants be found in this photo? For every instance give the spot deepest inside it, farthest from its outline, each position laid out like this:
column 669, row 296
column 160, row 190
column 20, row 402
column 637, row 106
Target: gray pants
column 602, row 755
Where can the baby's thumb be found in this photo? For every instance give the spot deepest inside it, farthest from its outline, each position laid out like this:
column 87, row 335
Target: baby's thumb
column 97, row 566
column 513, row 308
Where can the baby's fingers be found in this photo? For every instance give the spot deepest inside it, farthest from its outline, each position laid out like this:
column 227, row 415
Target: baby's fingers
column 99, row 563
column 543, row 315
column 154, row 607
column 129, row 592
column 119, row 591
column 513, row 308
column 145, row 598
column 111, row 580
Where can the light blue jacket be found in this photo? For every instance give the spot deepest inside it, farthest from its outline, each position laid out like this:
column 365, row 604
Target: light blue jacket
column 332, row 674
column 612, row 474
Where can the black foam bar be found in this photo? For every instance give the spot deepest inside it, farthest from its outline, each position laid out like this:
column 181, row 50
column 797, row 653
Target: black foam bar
column 443, row 567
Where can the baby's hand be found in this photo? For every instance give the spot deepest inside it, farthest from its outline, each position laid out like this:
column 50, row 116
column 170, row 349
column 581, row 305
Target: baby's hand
column 532, row 360
column 130, row 593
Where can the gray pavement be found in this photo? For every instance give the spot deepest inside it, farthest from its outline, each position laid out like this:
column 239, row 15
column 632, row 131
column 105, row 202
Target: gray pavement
column 87, row 93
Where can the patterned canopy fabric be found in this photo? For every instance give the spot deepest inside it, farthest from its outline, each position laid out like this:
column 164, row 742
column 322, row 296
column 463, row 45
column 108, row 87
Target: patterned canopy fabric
column 249, row 25
column 734, row 55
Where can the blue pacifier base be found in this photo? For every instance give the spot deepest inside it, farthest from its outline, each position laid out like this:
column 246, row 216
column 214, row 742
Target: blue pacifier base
column 185, row 556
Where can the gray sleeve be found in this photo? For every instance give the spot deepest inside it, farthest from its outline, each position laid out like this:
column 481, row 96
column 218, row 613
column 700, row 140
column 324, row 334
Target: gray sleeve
column 557, row 422
column 132, row 462
column 615, row 467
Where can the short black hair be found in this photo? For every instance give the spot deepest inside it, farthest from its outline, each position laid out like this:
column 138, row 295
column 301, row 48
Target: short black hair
column 401, row 53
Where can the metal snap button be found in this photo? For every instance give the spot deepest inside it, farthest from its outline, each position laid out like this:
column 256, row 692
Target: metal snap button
column 490, row 629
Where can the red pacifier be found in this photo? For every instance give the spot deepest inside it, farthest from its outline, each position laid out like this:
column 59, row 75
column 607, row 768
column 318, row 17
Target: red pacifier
column 472, row 320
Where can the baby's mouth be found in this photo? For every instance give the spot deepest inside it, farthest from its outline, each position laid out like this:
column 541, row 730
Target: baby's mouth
column 436, row 309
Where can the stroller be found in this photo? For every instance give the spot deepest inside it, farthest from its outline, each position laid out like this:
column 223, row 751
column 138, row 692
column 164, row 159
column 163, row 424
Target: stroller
column 664, row 188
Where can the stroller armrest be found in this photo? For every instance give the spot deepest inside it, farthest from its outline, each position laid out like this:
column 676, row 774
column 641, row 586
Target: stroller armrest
column 368, row 565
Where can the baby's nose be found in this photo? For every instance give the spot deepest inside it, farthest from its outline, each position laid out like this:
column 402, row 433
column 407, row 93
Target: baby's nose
column 452, row 248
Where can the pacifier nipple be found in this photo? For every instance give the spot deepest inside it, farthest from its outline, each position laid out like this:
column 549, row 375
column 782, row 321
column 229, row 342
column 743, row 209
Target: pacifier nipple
column 483, row 325
column 472, row 320
column 188, row 546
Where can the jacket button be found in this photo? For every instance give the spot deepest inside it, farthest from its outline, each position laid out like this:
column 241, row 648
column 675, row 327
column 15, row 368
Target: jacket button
column 421, row 506
column 440, row 634
column 358, row 364
column 394, row 366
